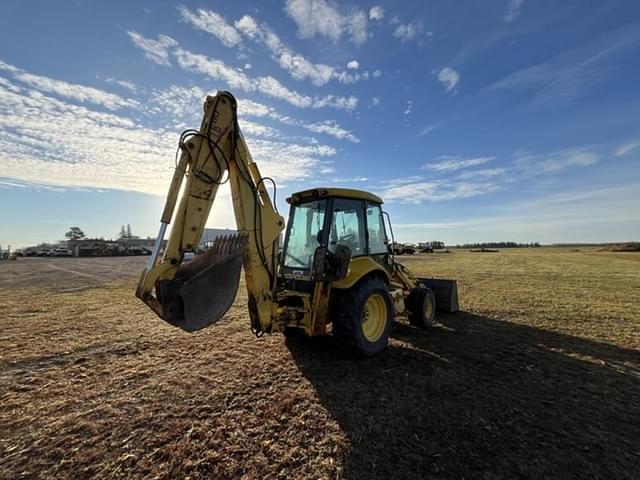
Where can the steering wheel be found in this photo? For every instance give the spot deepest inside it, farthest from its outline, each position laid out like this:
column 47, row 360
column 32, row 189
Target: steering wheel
column 348, row 238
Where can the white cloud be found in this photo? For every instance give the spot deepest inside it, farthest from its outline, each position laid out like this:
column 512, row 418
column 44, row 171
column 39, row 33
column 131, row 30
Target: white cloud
column 449, row 78
column 273, row 88
column 289, row 162
column 447, row 163
column 299, row 67
column 155, row 50
column 123, row 83
column 72, row 91
column 353, row 64
column 341, row 103
column 521, row 170
column 376, row 13
column 73, row 146
column 185, row 104
column 538, row 164
column 213, row 68
column 375, row 101
column 483, row 173
column 513, row 10
column 213, row 23
column 236, row 79
column 252, row 109
column 332, row 128
column 408, row 31
column 376, row 73
column 258, row 130
column 347, row 180
column 320, row 17
column 435, row 191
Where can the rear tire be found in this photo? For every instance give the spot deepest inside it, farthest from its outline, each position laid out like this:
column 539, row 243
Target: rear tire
column 421, row 307
column 363, row 316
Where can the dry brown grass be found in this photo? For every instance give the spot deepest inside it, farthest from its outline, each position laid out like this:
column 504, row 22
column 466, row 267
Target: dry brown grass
column 539, row 377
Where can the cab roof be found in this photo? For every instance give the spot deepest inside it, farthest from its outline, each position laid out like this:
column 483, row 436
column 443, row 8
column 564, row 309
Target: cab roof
column 315, row 193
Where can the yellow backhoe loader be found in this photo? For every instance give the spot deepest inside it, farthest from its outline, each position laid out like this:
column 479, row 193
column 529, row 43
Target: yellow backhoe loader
column 335, row 272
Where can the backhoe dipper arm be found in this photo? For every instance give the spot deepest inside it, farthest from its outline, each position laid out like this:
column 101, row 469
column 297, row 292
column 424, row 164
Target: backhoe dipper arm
column 195, row 294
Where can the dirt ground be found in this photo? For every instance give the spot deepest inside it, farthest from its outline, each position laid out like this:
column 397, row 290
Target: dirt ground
column 537, row 377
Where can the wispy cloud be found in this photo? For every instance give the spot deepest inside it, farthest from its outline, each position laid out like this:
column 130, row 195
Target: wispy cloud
column 331, row 128
column 184, row 104
column 513, row 10
column 73, row 91
column 435, row 191
column 299, row 67
column 71, row 145
column 451, row 183
column 320, row 17
column 539, row 164
column 429, row 128
column 448, row 163
column 627, row 148
column 155, row 50
column 239, row 80
column 571, row 74
column 213, row 23
column 132, row 87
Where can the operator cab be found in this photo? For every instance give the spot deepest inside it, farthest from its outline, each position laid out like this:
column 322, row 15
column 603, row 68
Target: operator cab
column 329, row 222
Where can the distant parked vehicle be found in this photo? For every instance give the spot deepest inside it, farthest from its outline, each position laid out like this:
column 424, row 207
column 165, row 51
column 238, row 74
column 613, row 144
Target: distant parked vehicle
column 44, row 252
column 61, row 252
column 404, row 248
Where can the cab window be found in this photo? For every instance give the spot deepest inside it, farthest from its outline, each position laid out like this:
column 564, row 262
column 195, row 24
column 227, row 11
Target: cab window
column 305, row 231
column 375, row 227
column 348, row 226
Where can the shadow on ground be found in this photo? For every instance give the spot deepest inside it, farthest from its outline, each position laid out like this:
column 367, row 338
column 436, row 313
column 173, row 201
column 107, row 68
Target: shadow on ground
column 480, row 398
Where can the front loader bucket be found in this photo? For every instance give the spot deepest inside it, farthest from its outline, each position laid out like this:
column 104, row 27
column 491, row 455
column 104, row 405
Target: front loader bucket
column 203, row 289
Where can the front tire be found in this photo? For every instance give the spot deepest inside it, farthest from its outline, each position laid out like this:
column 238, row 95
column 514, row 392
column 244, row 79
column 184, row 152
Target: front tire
column 363, row 316
column 421, row 307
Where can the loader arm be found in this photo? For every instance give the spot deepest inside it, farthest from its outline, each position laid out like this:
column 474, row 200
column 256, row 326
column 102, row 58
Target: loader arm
column 195, row 294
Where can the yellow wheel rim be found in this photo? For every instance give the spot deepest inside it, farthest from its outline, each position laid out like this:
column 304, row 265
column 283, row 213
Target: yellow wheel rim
column 429, row 310
column 374, row 317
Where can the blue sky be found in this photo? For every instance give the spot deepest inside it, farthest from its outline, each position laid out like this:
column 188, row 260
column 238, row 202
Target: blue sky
column 474, row 120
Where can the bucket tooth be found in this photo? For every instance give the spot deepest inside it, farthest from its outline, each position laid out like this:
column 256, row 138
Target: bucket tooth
column 203, row 289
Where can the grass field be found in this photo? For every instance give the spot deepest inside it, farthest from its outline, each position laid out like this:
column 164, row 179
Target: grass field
column 537, row 377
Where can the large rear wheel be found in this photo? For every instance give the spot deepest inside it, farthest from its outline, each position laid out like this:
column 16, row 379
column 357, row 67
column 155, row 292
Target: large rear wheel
column 363, row 316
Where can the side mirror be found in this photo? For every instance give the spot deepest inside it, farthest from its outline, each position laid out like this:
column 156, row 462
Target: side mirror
column 329, row 266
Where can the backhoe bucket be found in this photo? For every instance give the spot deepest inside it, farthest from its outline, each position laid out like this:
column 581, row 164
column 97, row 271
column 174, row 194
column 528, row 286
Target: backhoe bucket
column 203, row 289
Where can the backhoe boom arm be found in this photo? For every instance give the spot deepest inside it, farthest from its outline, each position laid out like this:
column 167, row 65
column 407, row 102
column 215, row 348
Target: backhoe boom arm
column 215, row 154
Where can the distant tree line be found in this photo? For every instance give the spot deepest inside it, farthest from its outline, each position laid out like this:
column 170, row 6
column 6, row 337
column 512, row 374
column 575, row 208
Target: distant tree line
column 499, row 245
